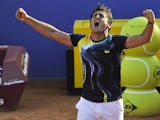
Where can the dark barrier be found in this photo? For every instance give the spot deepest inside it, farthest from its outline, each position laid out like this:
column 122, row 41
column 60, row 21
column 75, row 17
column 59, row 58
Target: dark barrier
column 14, row 65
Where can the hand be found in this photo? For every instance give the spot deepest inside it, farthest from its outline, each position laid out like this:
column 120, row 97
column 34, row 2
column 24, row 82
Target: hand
column 21, row 14
column 149, row 14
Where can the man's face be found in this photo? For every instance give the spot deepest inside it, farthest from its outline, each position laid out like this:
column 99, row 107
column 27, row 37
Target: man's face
column 99, row 22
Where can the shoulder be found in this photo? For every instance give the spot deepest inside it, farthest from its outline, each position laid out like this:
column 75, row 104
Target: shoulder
column 76, row 37
column 119, row 37
column 119, row 40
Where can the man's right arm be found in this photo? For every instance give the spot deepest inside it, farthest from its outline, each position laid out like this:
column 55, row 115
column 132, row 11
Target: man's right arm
column 44, row 28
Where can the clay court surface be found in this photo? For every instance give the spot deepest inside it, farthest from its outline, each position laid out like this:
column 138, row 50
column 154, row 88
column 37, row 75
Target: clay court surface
column 48, row 100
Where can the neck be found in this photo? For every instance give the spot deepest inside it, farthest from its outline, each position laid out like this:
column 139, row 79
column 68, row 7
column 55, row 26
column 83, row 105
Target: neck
column 98, row 36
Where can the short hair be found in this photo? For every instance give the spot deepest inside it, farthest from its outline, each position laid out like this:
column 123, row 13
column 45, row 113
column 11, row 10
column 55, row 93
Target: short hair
column 103, row 8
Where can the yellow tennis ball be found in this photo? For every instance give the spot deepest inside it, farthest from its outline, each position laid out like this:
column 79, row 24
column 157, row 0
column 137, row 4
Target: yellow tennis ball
column 141, row 102
column 158, row 54
column 135, row 26
column 140, row 72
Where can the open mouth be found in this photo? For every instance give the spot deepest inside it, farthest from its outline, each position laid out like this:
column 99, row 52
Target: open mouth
column 96, row 24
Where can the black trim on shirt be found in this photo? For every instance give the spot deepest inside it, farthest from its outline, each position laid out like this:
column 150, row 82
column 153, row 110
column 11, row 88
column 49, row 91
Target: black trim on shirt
column 76, row 37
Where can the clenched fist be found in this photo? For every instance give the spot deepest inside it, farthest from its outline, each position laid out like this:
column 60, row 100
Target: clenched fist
column 149, row 14
column 21, row 14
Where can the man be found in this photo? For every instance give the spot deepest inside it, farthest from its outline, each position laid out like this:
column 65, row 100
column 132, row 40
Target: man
column 101, row 56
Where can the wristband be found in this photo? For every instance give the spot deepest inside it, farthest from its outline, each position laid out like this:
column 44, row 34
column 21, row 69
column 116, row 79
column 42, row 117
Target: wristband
column 150, row 22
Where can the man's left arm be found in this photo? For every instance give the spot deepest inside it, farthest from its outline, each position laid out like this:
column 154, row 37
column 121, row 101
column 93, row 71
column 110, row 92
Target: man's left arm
column 145, row 37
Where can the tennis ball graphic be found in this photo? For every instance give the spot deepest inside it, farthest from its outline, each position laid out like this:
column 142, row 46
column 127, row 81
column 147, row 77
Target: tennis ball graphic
column 141, row 102
column 140, row 72
column 135, row 26
column 158, row 54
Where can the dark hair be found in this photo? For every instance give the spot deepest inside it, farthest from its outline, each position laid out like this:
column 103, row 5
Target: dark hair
column 103, row 8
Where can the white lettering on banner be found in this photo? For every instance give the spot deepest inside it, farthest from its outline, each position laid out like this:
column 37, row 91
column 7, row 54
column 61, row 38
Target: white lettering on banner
column 14, row 82
column 1, row 101
column 25, row 69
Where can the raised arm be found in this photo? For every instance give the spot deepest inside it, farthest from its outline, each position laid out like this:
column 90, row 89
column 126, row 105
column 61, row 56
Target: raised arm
column 146, row 35
column 44, row 28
